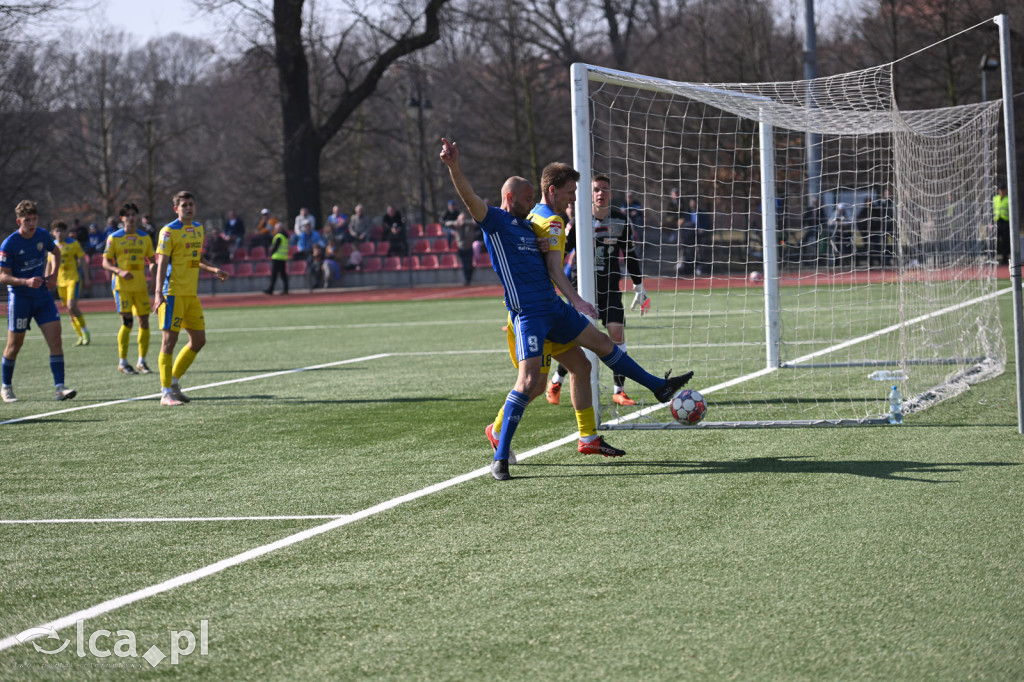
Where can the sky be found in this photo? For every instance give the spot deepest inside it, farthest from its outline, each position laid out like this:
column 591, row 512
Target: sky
column 147, row 19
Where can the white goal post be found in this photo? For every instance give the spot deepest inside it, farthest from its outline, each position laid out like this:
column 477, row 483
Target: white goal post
column 792, row 314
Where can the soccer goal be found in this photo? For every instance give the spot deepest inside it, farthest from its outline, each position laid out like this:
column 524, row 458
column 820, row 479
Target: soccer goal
column 806, row 245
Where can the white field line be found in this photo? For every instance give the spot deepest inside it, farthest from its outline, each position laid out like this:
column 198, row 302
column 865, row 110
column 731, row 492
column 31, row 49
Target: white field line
column 192, row 576
column 172, row 519
column 254, row 377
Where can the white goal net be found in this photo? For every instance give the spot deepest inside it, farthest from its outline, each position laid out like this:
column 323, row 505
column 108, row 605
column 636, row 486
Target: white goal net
column 806, row 245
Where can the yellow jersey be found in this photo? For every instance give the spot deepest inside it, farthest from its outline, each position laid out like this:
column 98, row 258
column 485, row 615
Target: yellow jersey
column 129, row 252
column 182, row 245
column 549, row 225
column 70, row 252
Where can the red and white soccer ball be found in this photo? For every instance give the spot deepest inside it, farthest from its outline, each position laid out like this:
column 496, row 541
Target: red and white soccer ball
column 756, row 277
column 688, row 407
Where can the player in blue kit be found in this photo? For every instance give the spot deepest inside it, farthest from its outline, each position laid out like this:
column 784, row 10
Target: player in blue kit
column 536, row 310
column 23, row 257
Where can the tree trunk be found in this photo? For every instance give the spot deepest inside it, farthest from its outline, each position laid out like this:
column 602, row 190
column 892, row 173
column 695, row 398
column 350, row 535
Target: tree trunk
column 302, row 144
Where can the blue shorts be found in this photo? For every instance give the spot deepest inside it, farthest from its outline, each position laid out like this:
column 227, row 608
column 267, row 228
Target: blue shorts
column 560, row 323
column 22, row 308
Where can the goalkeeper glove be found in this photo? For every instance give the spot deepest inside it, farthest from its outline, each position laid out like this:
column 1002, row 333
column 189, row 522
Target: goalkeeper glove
column 640, row 298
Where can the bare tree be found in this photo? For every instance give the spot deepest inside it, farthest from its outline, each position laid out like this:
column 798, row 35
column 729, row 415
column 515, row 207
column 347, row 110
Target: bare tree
column 362, row 50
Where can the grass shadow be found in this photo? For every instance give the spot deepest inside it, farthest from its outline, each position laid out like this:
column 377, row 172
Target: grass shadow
column 896, row 470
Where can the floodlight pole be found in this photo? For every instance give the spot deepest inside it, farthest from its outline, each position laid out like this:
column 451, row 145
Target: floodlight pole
column 1005, row 63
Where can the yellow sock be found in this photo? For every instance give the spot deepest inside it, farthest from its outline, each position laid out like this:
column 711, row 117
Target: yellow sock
column 496, row 428
column 143, row 342
column 183, row 362
column 586, row 422
column 123, row 336
column 164, row 361
column 76, row 325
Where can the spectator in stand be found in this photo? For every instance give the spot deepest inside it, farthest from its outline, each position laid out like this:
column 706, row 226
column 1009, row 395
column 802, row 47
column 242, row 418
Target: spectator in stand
column 80, row 233
column 467, row 233
column 305, row 239
column 96, row 239
column 217, row 248
column 265, row 230
column 234, row 229
column 147, row 228
column 1001, row 216
column 332, row 271
column 394, row 230
column 110, row 228
column 359, row 226
column 634, row 210
column 278, row 253
column 335, row 219
column 447, row 220
column 304, row 218
column 673, row 212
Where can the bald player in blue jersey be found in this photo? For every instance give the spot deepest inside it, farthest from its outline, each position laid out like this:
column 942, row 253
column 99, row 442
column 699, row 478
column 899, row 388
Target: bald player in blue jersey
column 537, row 311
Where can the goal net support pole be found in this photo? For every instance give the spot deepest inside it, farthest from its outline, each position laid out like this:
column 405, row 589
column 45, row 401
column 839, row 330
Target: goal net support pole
column 1005, row 65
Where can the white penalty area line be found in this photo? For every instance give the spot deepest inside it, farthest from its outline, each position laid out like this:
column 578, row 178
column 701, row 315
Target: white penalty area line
column 228, row 382
column 184, row 579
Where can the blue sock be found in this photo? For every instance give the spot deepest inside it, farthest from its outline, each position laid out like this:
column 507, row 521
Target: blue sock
column 8, row 371
column 57, row 369
column 621, row 363
column 515, row 404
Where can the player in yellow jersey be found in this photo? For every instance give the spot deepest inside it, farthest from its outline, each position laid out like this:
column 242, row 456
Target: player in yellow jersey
column 558, row 190
column 71, row 257
column 125, row 256
column 175, row 299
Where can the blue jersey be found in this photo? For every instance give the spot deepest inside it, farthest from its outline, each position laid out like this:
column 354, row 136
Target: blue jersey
column 26, row 259
column 512, row 245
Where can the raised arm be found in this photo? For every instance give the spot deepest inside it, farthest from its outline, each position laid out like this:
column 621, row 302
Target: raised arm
column 450, row 157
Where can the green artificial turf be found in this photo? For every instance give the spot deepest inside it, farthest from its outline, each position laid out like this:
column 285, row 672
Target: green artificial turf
column 888, row 553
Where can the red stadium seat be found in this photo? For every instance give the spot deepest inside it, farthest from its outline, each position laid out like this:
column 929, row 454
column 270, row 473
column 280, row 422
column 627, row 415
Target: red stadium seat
column 393, row 263
column 421, row 246
column 261, row 269
column 367, row 248
column 433, row 230
column 450, row 261
column 96, row 260
column 429, row 262
column 257, row 253
column 240, row 254
column 484, row 260
column 345, row 250
column 415, row 231
column 243, row 269
column 372, row 264
column 296, row 267
column 376, row 232
column 382, row 248
column 99, row 275
column 292, row 248
column 440, row 245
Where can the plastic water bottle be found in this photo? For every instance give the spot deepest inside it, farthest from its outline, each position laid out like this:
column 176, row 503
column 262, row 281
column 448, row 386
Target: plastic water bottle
column 895, row 406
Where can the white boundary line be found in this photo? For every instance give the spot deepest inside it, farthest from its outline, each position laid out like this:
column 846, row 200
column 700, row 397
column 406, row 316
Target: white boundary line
column 185, row 579
column 171, row 519
column 254, row 377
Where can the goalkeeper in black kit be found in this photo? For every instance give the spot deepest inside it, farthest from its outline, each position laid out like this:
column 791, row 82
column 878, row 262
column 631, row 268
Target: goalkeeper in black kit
column 613, row 238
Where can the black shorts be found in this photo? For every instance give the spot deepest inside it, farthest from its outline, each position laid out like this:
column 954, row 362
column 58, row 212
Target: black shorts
column 609, row 307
